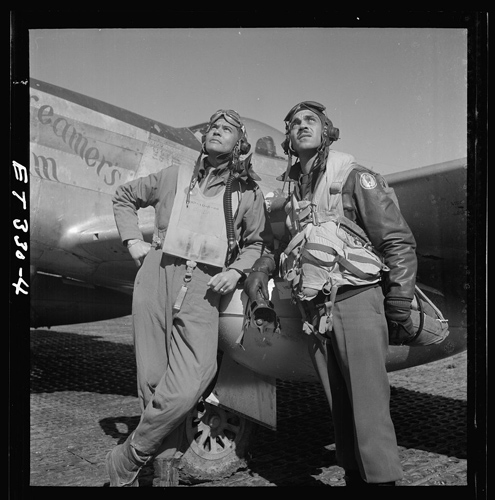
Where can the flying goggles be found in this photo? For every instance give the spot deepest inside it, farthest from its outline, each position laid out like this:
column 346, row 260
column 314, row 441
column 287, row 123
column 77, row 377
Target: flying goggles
column 229, row 115
column 311, row 105
column 232, row 117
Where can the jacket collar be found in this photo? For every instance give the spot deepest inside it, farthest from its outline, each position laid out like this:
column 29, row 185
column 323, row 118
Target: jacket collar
column 293, row 175
column 222, row 172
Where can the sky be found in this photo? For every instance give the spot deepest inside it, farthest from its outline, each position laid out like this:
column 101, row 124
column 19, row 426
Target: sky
column 398, row 95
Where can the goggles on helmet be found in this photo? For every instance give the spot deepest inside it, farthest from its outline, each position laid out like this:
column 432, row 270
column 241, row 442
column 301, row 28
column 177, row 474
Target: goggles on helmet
column 311, row 105
column 229, row 115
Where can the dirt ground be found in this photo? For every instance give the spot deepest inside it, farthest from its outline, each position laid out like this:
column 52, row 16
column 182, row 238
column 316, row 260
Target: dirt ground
column 83, row 384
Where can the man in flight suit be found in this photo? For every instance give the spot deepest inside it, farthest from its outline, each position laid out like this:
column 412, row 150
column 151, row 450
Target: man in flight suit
column 349, row 355
column 198, row 254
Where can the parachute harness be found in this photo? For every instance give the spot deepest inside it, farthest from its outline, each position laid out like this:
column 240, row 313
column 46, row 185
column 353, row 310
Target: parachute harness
column 315, row 320
column 328, row 250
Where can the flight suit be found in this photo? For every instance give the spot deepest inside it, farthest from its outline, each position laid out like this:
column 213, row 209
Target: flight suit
column 176, row 351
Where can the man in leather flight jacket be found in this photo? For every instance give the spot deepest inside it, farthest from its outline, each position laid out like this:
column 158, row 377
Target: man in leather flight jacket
column 350, row 358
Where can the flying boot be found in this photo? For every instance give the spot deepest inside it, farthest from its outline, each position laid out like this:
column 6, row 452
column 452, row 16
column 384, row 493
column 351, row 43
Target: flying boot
column 124, row 464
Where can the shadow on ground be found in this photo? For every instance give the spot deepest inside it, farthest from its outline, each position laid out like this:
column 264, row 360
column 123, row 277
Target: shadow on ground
column 303, row 442
column 62, row 361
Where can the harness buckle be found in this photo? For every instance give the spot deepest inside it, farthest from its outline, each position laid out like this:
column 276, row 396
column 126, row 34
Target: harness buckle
column 156, row 242
column 315, row 217
column 190, row 266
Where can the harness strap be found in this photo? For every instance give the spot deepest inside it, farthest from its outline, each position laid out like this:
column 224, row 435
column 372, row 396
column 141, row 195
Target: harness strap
column 427, row 299
column 318, row 261
column 326, row 320
column 324, row 216
column 321, row 248
column 190, row 266
column 421, row 318
column 353, row 269
column 338, row 183
column 341, row 260
column 294, row 242
column 362, row 258
column 308, row 327
column 304, row 212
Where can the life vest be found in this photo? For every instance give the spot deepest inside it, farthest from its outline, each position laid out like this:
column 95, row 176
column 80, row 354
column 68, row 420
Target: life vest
column 197, row 230
column 327, row 249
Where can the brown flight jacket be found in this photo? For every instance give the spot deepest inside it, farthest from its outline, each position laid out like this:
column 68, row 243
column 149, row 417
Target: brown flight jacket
column 375, row 211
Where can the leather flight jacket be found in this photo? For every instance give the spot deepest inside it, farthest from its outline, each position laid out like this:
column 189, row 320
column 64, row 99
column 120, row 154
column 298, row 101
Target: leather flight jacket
column 369, row 202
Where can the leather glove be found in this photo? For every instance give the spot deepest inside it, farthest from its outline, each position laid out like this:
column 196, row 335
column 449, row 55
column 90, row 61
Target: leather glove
column 257, row 280
column 400, row 325
column 256, row 288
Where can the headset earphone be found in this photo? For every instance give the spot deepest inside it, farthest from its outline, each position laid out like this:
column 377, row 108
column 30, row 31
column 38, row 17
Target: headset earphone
column 330, row 131
column 244, row 145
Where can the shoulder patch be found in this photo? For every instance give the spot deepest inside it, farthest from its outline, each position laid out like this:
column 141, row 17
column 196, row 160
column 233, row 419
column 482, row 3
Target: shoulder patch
column 367, row 181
